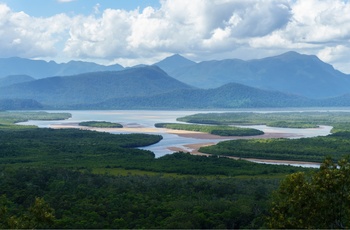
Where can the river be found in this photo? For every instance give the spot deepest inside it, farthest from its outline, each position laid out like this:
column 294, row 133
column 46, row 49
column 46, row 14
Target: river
column 142, row 121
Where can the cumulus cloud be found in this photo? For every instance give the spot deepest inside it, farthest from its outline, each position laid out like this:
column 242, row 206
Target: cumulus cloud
column 26, row 36
column 200, row 29
column 198, row 26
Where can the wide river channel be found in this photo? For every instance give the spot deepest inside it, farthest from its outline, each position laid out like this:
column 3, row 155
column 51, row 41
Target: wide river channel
column 142, row 121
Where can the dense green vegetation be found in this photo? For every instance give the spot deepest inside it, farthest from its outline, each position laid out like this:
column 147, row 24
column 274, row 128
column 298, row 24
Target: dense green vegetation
column 46, row 182
column 339, row 120
column 83, row 200
column 305, row 149
column 320, row 201
column 7, row 119
column 90, row 149
column 71, row 178
column 221, row 130
column 71, row 147
column 101, row 124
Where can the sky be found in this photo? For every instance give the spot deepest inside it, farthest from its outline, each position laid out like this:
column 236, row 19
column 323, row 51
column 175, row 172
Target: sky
column 131, row 32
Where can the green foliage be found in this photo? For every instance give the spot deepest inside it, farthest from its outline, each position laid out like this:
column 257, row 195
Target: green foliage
column 313, row 149
column 215, row 130
column 75, row 200
column 72, row 147
column 91, row 149
column 320, row 202
column 187, row 164
column 100, row 124
column 45, row 182
column 339, row 120
column 38, row 215
column 7, row 119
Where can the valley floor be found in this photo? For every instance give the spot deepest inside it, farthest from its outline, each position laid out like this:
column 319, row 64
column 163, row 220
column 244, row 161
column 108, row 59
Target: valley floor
column 194, row 148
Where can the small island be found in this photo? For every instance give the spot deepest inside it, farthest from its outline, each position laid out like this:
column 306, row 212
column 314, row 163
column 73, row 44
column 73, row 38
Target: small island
column 100, row 124
column 220, row 130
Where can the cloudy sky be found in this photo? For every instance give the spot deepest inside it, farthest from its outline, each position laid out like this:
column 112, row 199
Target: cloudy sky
column 131, row 32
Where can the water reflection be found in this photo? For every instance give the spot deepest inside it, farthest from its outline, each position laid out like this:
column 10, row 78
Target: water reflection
column 142, row 121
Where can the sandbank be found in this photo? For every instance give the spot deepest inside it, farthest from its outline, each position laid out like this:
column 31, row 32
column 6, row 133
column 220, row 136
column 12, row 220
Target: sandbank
column 194, row 148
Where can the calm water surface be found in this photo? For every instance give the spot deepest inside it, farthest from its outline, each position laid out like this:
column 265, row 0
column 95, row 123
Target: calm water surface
column 144, row 120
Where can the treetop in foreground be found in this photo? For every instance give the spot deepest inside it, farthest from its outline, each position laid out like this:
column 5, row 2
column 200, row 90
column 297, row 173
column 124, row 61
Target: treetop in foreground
column 321, row 201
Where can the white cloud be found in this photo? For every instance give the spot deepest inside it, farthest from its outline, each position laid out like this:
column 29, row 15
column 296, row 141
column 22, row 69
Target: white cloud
column 198, row 26
column 25, row 36
column 339, row 55
column 201, row 29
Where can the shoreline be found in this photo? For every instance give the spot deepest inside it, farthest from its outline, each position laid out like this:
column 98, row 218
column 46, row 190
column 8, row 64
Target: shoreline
column 194, row 147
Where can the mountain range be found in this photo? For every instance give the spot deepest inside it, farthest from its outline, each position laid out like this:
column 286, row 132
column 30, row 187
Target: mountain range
column 287, row 80
column 42, row 69
column 291, row 72
column 94, row 87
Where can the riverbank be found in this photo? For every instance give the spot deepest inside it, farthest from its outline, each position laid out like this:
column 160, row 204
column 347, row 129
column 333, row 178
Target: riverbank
column 193, row 148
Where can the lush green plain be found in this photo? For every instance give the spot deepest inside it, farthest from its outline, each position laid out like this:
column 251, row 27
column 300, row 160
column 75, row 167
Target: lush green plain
column 75, row 148
column 305, row 149
column 221, row 130
column 101, row 124
column 46, row 181
column 8, row 119
column 314, row 149
column 84, row 200
column 339, row 120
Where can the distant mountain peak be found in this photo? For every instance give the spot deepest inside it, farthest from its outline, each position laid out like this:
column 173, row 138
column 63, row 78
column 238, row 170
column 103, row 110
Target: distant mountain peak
column 171, row 63
column 42, row 69
column 176, row 57
column 291, row 55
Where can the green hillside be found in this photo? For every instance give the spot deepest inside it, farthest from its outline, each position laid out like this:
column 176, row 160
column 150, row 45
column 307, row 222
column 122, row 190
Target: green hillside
column 94, row 87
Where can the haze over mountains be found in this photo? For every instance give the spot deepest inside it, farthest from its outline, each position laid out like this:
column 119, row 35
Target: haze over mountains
column 291, row 72
column 287, row 80
column 42, row 69
column 95, row 87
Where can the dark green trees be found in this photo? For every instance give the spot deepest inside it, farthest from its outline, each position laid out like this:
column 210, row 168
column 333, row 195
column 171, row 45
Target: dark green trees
column 320, row 201
column 39, row 215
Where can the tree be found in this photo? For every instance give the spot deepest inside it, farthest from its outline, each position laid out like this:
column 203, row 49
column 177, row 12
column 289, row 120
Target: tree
column 318, row 201
column 39, row 215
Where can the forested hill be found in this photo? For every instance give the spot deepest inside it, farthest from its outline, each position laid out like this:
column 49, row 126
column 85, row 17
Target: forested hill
column 42, row 69
column 94, row 87
column 19, row 104
column 291, row 72
column 228, row 96
column 14, row 79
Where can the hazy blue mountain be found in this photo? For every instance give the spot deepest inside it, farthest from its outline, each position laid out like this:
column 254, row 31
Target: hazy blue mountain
column 15, row 104
column 172, row 63
column 341, row 101
column 291, row 72
column 42, row 69
column 94, row 87
column 232, row 95
column 14, row 79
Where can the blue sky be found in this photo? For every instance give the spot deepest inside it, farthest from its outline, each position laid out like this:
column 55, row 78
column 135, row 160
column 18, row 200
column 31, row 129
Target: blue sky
column 131, row 32
column 45, row 8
